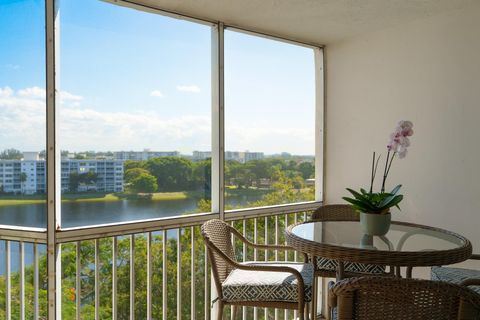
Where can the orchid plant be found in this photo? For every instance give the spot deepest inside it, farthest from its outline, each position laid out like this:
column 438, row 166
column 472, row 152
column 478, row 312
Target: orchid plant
column 381, row 202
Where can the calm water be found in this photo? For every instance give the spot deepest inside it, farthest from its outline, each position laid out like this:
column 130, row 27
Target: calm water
column 88, row 213
column 76, row 214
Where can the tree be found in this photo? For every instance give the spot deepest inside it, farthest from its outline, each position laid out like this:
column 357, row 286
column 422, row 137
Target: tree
column 132, row 174
column 144, row 183
column 76, row 179
column 172, row 173
column 201, row 177
column 23, row 179
column 89, row 177
column 130, row 164
column 11, row 154
column 307, row 169
column 73, row 182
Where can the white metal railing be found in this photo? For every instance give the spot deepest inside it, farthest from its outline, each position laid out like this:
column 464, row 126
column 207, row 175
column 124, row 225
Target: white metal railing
column 158, row 274
column 20, row 282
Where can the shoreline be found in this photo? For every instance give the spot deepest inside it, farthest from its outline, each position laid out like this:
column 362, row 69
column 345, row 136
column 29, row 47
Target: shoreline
column 12, row 200
column 108, row 197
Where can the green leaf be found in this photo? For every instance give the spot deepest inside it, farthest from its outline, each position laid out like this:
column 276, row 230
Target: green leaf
column 395, row 190
column 355, row 193
column 388, row 197
column 393, row 202
column 360, row 205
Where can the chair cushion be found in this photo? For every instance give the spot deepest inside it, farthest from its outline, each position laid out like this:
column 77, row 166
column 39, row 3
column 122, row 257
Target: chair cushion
column 325, row 264
column 455, row 275
column 246, row 285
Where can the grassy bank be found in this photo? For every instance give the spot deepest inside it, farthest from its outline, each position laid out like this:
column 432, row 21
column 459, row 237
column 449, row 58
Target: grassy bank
column 96, row 197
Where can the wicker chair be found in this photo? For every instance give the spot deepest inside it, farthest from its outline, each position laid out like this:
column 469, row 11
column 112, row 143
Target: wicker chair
column 325, row 267
column 380, row 298
column 270, row 284
column 465, row 277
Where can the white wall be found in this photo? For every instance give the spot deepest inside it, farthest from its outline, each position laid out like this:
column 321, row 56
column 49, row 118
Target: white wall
column 428, row 72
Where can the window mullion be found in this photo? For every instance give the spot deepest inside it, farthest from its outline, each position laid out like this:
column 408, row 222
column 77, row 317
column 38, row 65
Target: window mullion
column 319, row 123
column 218, row 128
column 53, row 167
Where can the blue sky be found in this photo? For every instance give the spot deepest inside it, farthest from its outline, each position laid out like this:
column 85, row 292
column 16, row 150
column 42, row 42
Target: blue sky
column 130, row 80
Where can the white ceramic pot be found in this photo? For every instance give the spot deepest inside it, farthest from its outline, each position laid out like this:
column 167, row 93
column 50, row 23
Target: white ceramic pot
column 375, row 224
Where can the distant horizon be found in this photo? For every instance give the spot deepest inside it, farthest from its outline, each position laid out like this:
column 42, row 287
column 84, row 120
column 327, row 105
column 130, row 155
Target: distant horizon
column 166, row 151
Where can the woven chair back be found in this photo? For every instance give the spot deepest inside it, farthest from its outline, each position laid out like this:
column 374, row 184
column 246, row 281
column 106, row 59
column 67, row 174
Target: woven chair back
column 376, row 298
column 216, row 233
column 335, row 212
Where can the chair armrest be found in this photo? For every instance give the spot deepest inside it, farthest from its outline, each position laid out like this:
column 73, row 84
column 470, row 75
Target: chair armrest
column 263, row 246
column 254, row 266
column 474, row 257
column 471, row 282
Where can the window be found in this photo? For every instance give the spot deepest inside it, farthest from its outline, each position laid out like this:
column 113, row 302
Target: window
column 269, row 122
column 135, row 104
column 135, row 115
column 22, row 111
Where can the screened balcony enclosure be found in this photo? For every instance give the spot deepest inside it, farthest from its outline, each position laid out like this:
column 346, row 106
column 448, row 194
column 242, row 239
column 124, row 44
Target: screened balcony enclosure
column 125, row 125
column 118, row 160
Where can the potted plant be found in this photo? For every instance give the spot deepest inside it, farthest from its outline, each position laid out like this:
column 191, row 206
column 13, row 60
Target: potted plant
column 374, row 207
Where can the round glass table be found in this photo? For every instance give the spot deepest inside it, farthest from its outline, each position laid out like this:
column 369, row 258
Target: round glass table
column 405, row 244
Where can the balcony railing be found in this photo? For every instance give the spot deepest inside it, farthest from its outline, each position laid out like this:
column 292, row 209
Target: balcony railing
column 158, row 274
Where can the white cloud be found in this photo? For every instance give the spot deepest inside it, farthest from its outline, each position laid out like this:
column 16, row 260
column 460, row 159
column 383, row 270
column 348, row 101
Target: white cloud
column 67, row 96
column 33, row 92
column 23, row 118
column 40, row 93
column 86, row 129
column 157, row 93
column 189, row 88
column 6, row 92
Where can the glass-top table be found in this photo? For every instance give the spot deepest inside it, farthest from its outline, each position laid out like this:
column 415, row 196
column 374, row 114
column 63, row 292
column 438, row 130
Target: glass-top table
column 405, row 244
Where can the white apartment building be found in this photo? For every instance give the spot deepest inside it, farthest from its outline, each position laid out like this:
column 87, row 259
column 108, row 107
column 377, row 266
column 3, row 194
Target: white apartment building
column 248, row 156
column 143, row 155
column 29, row 176
column 230, row 155
column 201, row 155
column 22, row 176
column 109, row 174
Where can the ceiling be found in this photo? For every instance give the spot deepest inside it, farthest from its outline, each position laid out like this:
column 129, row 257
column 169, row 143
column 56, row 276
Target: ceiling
column 311, row 21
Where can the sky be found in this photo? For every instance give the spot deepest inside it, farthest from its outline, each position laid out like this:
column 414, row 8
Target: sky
column 130, row 80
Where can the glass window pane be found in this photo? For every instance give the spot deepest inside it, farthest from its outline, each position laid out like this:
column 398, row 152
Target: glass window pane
column 135, row 103
column 22, row 113
column 269, row 122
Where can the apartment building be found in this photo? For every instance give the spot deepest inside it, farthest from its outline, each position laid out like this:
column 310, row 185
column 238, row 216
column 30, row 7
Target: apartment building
column 201, row 155
column 109, row 174
column 28, row 176
column 239, row 156
column 143, row 155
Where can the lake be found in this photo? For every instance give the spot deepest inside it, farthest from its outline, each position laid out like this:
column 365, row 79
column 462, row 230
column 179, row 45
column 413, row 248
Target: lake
column 76, row 214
